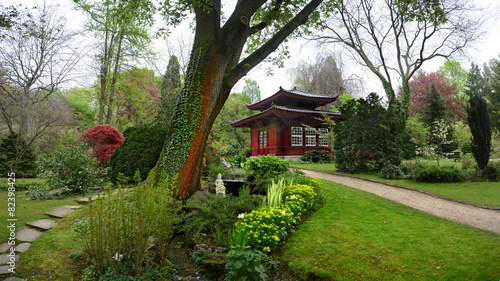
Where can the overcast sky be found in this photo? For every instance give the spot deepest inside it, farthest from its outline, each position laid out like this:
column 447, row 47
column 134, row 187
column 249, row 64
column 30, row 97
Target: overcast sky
column 484, row 50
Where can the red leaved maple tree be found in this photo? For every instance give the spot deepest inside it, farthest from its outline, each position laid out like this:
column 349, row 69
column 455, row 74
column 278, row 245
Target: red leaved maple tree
column 104, row 140
column 420, row 86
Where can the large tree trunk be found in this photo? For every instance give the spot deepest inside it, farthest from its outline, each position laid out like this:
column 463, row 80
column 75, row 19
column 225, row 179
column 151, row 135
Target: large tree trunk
column 199, row 104
column 213, row 69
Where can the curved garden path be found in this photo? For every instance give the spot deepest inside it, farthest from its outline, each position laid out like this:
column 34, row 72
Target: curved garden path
column 487, row 219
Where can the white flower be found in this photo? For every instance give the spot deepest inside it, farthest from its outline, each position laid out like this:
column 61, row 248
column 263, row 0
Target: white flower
column 283, row 212
column 242, row 215
column 117, row 257
column 292, row 197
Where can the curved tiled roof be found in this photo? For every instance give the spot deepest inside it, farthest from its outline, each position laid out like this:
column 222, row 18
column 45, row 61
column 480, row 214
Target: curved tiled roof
column 293, row 95
column 282, row 108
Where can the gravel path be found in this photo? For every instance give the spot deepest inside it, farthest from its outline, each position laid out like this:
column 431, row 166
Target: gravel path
column 459, row 212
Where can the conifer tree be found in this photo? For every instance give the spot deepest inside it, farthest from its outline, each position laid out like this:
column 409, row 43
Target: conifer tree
column 436, row 111
column 436, row 108
column 478, row 118
column 170, row 91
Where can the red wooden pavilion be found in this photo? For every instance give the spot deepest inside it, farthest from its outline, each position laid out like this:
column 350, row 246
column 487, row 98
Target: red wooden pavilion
column 283, row 126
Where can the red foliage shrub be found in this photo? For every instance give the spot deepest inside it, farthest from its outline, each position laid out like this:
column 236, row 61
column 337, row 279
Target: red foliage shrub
column 104, row 140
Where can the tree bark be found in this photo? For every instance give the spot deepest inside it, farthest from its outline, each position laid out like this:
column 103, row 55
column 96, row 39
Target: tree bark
column 213, row 69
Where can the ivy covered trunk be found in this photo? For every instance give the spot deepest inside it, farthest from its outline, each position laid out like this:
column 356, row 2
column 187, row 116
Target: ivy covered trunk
column 214, row 67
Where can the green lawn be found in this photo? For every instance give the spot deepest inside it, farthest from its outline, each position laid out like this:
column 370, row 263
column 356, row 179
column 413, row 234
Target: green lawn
column 357, row 235
column 27, row 211
column 485, row 194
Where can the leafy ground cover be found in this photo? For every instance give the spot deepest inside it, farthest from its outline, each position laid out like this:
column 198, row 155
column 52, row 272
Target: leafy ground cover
column 485, row 194
column 357, row 235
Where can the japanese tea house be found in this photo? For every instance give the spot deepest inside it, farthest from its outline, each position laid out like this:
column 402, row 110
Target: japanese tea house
column 283, row 126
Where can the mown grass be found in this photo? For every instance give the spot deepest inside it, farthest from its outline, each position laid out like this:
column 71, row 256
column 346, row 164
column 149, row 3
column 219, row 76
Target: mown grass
column 20, row 183
column 486, row 194
column 357, row 235
column 27, row 210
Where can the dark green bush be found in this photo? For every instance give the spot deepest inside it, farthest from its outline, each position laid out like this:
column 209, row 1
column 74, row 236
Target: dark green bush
column 392, row 172
column 370, row 137
column 140, row 150
column 492, row 171
column 12, row 146
column 435, row 173
column 267, row 166
column 316, row 156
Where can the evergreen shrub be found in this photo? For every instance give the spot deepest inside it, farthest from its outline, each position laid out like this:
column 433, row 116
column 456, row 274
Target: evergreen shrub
column 491, row 172
column 435, row 174
column 140, row 150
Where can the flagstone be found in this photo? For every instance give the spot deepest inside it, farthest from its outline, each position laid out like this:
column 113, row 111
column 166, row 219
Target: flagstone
column 5, row 258
column 4, row 247
column 44, row 224
column 59, row 212
column 23, row 247
column 4, row 269
column 28, row 235
column 72, row 207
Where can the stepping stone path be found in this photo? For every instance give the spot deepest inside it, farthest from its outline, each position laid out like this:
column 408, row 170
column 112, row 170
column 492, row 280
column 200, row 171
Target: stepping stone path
column 59, row 212
column 86, row 200
column 43, row 224
column 29, row 235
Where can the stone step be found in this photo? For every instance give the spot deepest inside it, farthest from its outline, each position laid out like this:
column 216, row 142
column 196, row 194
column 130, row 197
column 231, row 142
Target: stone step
column 86, row 200
column 43, row 224
column 5, row 258
column 72, row 207
column 59, row 212
column 23, row 247
column 4, row 247
column 28, row 235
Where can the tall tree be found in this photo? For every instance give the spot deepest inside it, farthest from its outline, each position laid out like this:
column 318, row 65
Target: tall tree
column 170, row 91
column 421, row 84
column 137, row 98
column 121, row 27
column 393, row 38
column 322, row 77
column 37, row 55
column 251, row 90
column 492, row 75
column 216, row 64
column 478, row 118
column 455, row 74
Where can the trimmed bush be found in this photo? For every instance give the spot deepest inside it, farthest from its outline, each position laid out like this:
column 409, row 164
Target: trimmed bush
column 434, row 173
column 392, row 172
column 267, row 166
column 140, row 150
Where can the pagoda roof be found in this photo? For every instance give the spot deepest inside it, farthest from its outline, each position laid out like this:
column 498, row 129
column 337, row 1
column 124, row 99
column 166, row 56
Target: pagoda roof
column 293, row 98
column 285, row 114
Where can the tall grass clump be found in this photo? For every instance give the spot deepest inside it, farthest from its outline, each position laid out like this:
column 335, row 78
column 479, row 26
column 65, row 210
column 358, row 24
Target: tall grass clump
column 118, row 227
column 275, row 193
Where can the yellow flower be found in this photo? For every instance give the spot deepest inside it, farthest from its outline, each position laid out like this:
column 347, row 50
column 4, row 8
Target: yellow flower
column 266, row 249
